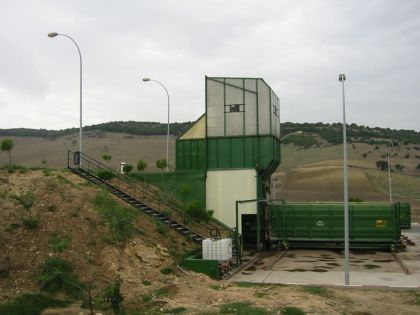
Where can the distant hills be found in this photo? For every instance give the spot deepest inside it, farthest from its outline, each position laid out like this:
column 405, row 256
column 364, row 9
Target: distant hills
column 314, row 133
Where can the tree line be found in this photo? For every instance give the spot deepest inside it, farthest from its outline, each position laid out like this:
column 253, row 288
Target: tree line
column 130, row 127
column 331, row 133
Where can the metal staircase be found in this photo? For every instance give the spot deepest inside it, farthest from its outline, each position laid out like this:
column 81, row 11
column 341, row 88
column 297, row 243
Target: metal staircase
column 142, row 196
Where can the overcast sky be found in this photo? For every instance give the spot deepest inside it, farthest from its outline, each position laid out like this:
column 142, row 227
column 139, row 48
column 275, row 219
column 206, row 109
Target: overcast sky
column 298, row 47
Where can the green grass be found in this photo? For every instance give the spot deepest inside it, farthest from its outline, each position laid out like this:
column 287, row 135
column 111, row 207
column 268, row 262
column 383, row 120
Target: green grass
column 30, row 304
column 242, row 308
column 317, row 290
column 176, row 310
column 260, row 294
column 247, row 284
column 166, row 271
column 291, row 310
column 67, row 182
column 146, row 282
column 216, row 287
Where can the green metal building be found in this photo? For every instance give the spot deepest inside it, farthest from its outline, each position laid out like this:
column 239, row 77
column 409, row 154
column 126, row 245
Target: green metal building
column 235, row 145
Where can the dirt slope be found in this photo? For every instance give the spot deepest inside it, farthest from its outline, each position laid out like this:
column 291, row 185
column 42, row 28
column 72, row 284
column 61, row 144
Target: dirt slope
column 64, row 206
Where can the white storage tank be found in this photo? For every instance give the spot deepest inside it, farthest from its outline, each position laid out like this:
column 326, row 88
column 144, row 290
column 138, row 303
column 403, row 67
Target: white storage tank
column 217, row 249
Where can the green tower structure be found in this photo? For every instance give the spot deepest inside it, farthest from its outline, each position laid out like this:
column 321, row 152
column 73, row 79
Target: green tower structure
column 235, row 145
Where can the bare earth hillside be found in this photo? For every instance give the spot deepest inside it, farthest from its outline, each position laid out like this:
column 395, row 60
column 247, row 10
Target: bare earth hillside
column 64, row 206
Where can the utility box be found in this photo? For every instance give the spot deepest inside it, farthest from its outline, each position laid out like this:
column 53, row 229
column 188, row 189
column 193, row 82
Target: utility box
column 122, row 164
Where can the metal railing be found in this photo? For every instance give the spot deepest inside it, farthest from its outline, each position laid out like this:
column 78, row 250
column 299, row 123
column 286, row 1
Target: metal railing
column 148, row 195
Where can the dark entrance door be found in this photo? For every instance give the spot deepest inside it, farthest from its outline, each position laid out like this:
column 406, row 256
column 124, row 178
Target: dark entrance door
column 249, row 230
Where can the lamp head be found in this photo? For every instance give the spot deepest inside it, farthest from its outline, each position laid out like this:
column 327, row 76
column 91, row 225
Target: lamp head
column 146, row 79
column 342, row 77
column 53, row 34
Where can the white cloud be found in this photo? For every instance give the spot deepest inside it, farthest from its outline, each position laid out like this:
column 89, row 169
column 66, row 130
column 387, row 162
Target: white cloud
column 298, row 47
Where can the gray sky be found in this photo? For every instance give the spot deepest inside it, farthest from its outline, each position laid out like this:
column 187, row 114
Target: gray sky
column 298, row 47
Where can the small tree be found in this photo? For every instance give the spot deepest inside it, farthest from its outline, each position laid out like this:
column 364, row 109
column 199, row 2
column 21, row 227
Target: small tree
column 399, row 167
column 58, row 244
column 127, row 168
column 105, row 175
column 7, row 145
column 197, row 212
column 26, row 201
column 161, row 164
column 106, row 157
column 141, row 166
column 382, row 165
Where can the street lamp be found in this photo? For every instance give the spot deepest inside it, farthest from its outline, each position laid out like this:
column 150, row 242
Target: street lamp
column 291, row 134
column 52, row 35
column 342, row 78
column 389, row 180
column 167, row 135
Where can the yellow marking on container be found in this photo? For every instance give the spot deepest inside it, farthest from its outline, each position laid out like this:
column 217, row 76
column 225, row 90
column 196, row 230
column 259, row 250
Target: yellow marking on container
column 381, row 223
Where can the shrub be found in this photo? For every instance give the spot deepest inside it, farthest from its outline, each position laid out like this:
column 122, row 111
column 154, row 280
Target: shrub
column 161, row 164
column 112, row 295
column 161, row 228
column 290, row 310
column 166, row 270
column 242, row 308
column 30, row 224
column 141, row 165
column 106, row 157
column 57, row 275
column 30, row 304
column 105, row 175
column 58, row 244
column 120, row 220
column 127, row 168
column 27, row 201
column 197, row 212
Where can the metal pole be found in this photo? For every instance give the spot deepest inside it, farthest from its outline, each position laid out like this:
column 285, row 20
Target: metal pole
column 167, row 135
column 237, row 232
column 81, row 89
column 342, row 78
column 389, row 180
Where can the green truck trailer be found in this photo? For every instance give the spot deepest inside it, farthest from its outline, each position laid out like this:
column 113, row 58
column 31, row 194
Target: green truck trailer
column 321, row 225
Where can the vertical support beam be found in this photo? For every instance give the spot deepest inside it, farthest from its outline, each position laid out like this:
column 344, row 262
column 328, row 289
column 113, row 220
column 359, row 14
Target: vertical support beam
column 237, row 232
column 258, row 228
column 224, row 107
column 389, row 181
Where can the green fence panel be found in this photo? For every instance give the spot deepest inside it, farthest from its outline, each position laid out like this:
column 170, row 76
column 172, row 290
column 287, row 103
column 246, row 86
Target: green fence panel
column 242, row 152
column 190, row 154
column 175, row 182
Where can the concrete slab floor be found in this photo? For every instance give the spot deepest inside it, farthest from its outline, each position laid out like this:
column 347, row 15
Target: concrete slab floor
column 325, row 267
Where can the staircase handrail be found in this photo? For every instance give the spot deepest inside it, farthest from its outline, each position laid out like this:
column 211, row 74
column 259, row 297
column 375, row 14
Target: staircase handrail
column 134, row 185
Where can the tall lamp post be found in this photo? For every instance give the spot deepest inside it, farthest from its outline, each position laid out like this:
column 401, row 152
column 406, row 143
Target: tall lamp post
column 389, row 180
column 167, row 135
column 52, row 35
column 342, row 78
